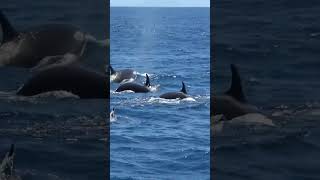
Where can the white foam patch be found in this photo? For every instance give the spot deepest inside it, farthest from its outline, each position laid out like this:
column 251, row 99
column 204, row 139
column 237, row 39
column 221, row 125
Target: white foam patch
column 253, row 118
column 11, row 96
column 4, row 94
column 143, row 74
column 164, row 101
column 170, row 101
column 57, row 94
column 154, row 88
column 112, row 77
column 189, row 99
column 113, row 117
column 114, row 92
column 122, row 92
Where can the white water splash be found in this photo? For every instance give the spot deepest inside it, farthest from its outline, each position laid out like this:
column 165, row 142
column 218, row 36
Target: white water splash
column 113, row 117
column 189, row 99
column 113, row 77
column 163, row 101
column 154, row 88
column 122, row 92
column 170, row 101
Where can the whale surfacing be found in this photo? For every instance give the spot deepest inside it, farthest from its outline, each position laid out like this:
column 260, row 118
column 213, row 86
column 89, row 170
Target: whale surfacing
column 176, row 95
column 121, row 75
column 137, row 88
column 233, row 102
column 27, row 48
column 79, row 81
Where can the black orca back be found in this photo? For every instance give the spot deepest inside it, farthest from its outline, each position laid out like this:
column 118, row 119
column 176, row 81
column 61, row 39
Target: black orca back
column 79, row 81
column 137, row 88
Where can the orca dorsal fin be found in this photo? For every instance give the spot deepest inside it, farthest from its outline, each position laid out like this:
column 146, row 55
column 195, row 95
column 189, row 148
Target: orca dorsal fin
column 147, row 81
column 236, row 88
column 7, row 30
column 112, row 70
column 183, row 89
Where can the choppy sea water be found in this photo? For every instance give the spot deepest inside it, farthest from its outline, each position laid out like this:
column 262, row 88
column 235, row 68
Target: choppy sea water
column 154, row 138
column 274, row 44
column 56, row 136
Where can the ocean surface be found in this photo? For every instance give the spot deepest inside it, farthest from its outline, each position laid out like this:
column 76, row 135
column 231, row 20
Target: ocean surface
column 56, row 136
column 275, row 45
column 153, row 138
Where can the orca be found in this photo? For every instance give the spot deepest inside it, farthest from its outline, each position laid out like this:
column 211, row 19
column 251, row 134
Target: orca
column 137, row 88
column 176, row 95
column 121, row 75
column 112, row 114
column 79, row 81
column 233, row 102
column 27, row 48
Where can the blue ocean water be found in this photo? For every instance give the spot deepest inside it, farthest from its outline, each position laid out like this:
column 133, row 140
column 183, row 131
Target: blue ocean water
column 154, row 138
column 275, row 45
column 56, row 137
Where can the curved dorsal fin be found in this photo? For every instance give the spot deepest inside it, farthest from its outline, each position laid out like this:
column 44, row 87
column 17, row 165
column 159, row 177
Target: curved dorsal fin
column 112, row 70
column 147, row 81
column 236, row 88
column 183, row 89
column 8, row 32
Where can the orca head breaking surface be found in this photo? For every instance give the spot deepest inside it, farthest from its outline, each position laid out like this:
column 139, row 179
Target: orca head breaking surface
column 137, row 88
